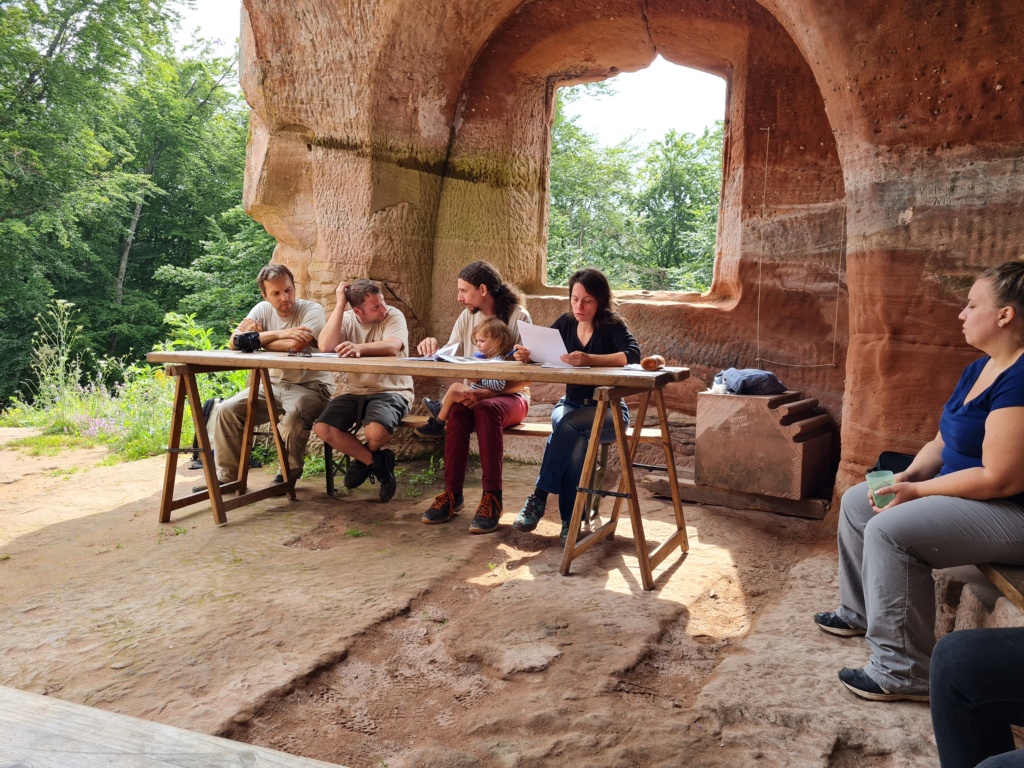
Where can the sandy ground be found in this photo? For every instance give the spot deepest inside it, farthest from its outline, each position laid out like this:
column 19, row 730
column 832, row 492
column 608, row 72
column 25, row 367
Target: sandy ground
column 344, row 630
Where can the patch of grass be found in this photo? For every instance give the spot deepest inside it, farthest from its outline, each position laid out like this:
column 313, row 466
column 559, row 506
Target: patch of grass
column 314, row 467
column 353, row 532
column 52, row 444
column 5, row 557
column 62, row 472
column 179, row 530
column 491, row 566
column 415, row 484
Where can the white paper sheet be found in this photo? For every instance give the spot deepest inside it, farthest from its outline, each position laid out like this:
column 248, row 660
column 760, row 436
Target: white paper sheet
column 545, row 345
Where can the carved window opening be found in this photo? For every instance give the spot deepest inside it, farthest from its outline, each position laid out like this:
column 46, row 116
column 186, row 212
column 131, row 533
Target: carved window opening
column 645, row 208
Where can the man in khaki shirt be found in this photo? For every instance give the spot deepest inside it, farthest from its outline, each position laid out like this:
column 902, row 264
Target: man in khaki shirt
column 362, row 325
column 284, row 324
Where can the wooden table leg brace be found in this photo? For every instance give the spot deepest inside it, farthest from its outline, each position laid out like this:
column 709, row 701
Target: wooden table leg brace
column 611, row 398
column 186, row 387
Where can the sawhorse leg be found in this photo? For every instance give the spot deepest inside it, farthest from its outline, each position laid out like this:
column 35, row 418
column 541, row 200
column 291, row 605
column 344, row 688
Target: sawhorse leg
column 627, row 445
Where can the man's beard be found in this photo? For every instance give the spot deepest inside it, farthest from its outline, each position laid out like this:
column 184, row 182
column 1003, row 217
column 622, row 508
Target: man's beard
column 473, row 310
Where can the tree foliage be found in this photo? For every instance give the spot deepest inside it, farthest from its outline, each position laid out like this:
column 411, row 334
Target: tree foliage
column 117, row 156
column 647, row 218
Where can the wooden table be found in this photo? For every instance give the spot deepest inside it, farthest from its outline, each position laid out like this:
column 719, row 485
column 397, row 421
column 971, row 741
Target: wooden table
column 612, row 385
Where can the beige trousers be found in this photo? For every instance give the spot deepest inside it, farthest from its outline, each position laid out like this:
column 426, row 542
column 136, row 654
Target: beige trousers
column 298, row 405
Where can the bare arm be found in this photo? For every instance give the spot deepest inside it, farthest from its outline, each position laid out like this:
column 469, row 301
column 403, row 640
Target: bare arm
column 999, row 475
column 613, row 360
column 332, row 335
column 286, row 340
column 390, row 346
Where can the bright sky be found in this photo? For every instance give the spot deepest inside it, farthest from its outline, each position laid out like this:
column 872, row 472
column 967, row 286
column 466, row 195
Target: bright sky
column 652, row 101
column 647, row 103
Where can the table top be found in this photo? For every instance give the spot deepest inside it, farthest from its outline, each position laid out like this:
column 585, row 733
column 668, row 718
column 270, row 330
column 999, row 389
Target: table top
column 507, row 371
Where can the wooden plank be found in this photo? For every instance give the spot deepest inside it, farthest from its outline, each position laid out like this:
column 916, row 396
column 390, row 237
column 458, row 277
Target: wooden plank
column 810, row 508
column 45, row 732
column 1009, row 579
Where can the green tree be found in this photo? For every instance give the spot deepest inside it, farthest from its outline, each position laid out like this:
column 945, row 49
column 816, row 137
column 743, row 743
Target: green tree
column 677, row 202
column 221, row 283
column 589, row 221
column 60, row 66
column 647, row 218
column 117, row 157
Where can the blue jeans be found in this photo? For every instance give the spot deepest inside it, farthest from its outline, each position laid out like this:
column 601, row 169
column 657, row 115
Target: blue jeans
column 977, row 693
column 566, row 449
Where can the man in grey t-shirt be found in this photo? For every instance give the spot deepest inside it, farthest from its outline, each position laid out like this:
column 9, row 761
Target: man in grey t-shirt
column 284, row 324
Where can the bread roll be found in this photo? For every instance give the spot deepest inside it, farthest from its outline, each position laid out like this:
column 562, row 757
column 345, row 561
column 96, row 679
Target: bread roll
column 652, row 363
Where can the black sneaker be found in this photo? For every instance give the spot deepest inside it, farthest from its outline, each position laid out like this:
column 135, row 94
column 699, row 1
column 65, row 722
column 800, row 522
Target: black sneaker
column 529, row 515
column 279, row 478
column 829, row 621
column 384, row 469
column 357, row 473
column 487, row 514
column 858, row 681
column 432, row 430
column 433, row 406
column 443, row 509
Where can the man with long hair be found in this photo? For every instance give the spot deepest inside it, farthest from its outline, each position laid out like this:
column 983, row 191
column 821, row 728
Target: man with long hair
column 484, row 294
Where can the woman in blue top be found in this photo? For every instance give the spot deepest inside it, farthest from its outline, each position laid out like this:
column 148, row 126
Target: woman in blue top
column 594, row 336
column 960, row 502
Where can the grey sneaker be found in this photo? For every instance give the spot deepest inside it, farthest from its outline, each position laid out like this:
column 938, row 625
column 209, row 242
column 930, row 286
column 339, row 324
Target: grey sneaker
column 487, row 514
column 858, row 682
column 443, row 509
column 384, row 470
column 829, row 621
column 529, row 515
column 563, row 537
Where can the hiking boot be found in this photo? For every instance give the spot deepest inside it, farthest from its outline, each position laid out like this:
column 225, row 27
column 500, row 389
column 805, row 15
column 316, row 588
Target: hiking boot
column 432, row 430
column 487, row 514
column 529, row 515
column 384, row 469
column 858, row 681
column 443, row 509
column 829, row 621
column 279, row 478
column 357, row 474
column 433, row 406
column 563, row 537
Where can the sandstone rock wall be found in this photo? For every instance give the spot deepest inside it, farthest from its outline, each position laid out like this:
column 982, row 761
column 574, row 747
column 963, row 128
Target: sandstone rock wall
column 871, row 168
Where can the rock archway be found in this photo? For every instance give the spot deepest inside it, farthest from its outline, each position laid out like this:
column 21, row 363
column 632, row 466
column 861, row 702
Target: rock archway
column 399, row 140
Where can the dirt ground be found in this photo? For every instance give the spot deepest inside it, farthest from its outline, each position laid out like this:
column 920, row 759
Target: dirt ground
column 345, row 630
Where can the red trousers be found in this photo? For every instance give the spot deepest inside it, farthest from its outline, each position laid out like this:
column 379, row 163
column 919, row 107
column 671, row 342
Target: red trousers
column 488, row 419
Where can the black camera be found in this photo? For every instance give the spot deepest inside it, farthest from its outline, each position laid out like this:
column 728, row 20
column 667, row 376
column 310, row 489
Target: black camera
column 247, row 342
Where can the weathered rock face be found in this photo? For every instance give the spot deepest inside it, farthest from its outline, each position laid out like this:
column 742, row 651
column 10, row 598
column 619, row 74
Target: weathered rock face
column 871, row 169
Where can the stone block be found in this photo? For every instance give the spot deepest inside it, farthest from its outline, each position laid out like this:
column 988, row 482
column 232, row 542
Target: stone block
column 772, row 445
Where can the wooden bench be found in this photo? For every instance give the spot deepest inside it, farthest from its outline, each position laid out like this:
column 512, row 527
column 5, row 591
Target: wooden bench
column 333, row 466
column 1008, row 579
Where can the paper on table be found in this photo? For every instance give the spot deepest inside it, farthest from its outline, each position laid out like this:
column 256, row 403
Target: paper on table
column 545, row 345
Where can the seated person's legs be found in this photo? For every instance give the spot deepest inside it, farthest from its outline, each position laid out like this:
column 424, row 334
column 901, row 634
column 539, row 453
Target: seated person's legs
column 850, row 618
column 227, row 434
column 301, row 407
column 334, row 427
column 977, row 693
column 383, row 412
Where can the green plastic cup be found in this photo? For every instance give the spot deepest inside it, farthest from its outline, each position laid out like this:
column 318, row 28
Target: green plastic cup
column 878, row 480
